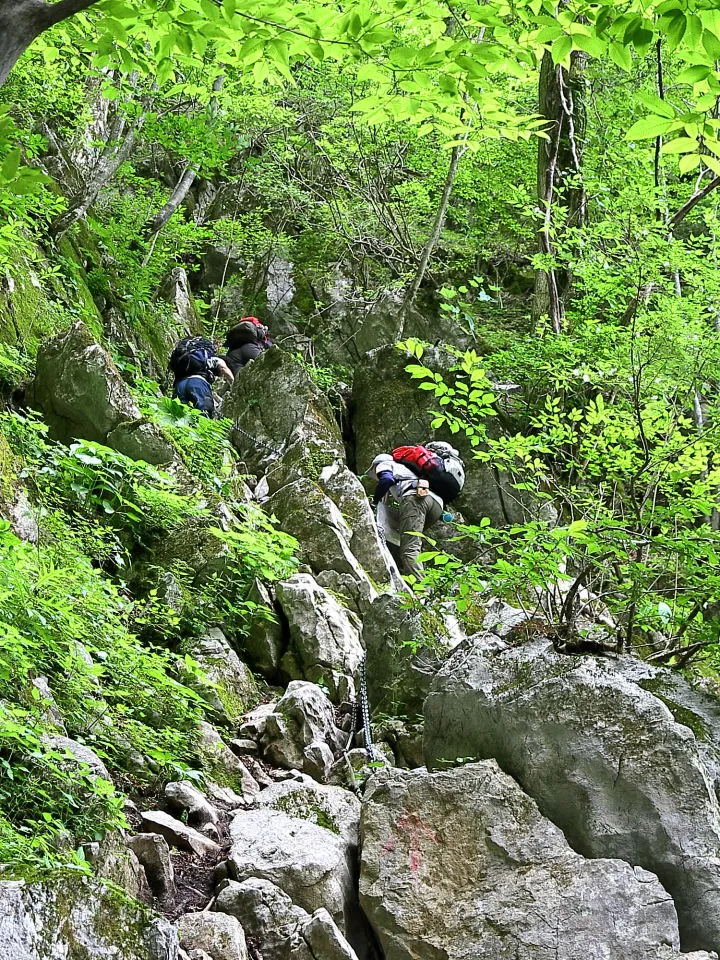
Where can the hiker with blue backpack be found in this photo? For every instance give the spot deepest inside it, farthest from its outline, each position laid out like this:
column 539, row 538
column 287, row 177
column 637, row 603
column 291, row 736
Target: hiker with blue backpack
column 195, row 365
column 414, row 485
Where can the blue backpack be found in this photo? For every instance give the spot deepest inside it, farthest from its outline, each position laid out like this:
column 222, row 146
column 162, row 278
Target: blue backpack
column 190, row 358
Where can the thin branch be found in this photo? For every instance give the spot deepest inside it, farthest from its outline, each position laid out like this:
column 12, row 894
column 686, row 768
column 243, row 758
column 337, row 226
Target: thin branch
column 692, row 202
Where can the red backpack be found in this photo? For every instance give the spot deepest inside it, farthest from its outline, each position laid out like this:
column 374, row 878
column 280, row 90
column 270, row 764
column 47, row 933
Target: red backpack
column 431, row 467
column 418, row 459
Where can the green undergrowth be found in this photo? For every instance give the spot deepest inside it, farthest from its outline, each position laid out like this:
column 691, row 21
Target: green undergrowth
column 129, row 564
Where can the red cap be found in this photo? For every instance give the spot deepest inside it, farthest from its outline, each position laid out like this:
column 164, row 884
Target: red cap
column 254, row 320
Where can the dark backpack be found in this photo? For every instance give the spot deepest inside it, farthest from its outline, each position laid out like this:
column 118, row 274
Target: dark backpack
column 190, row 358
column 431, row 467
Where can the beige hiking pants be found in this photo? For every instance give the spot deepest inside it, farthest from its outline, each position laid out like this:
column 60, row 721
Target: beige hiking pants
column 416, row 514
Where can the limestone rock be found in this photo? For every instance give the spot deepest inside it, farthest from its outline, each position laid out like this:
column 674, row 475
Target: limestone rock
column 356, row 595
column 304, row 412
column 183, row 796
column 79, row 389
column 253, row 725
column 80, row 754
column 49, row 708
column 141, row 440
column 303, row 510
column 78, row 917
column 175, row 289
column 302, row 716
column 112, row 860
column 179, row 834
column 218, row 934
column 311, row 864
column 23, row 518
column 153, row 852
column 461, row 864
column 222, row 764
column 233, row 689
column 283, row 930
column 324, row 637
column 318, row 761
column 404, row 647
column 335, row 809
column 264, row 645
column 324, row 939
column 347, row 493
column 596, row 743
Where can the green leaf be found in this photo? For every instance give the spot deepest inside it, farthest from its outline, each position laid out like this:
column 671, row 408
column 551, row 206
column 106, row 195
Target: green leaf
column 680, row 145
column 694, row 74
column 675, row 30
column 592, row 45
column 648, row 128
column 691, row 161
column 620, row 55
column 10, row 165
column 712, row 163
column 561, row 48
column 656, row 105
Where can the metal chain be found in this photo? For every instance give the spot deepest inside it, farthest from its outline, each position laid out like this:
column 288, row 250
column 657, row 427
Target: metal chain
column 372, row 752
column 278, row 451
column 354, row 785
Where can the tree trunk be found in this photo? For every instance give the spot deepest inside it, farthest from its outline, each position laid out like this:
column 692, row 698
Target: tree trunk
column 561, row 194
column 437, row 227
column 180, row 191
column 22, row 21
column 107, row 166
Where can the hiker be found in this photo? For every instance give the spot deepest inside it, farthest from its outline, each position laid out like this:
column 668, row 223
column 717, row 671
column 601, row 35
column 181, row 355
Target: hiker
column 195, row 364
column 420, row 480
column 245, row 342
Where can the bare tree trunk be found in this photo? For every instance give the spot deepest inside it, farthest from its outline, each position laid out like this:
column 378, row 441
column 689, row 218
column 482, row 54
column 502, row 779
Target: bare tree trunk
column 180, row 191
column 115, row 154
column 22, row 21
column 436, row 230
column 560, row 191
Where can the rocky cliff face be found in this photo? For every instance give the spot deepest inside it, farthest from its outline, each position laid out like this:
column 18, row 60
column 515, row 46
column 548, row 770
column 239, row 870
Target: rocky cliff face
column 569, row 805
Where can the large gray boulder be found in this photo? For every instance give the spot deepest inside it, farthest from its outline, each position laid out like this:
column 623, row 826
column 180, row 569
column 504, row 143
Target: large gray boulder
column 325, row 641
column 314, row 866
column 232, row 689
column 305, row 511
column 142, row 440
column 282, row 930
column 461, row 864
column 620, row 756
column 218, row 934
column 275, row 404
column 301, row 718
column 79, row 918
column 335, row 809
column 265, row 641
column 79, row 389
column 406, row 646
column 347, row 493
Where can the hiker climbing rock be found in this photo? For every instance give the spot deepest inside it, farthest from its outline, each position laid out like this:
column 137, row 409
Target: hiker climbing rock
column 244, row 342
column 414, row 484
column 195, row 365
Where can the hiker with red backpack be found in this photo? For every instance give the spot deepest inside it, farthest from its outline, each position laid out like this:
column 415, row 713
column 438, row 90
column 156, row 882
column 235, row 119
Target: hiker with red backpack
column 420, row 481
column 245, row 342
column 195, row 365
